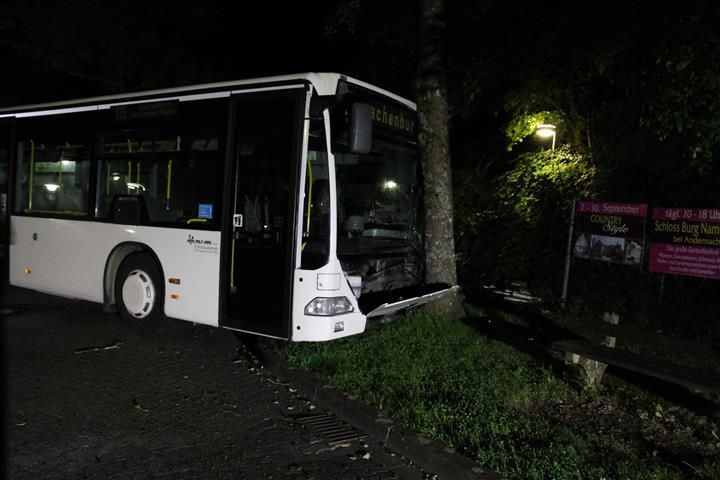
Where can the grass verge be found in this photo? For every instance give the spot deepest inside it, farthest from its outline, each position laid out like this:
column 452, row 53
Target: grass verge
column 475, row 394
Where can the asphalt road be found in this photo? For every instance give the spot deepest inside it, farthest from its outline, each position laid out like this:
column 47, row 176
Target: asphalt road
column 86, row 396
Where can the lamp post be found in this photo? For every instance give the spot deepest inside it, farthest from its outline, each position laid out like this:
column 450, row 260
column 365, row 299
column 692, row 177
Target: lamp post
column 546, row 130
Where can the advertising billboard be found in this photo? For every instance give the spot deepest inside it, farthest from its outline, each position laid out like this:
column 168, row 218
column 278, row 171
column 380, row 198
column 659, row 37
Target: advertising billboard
column 685, row 241
column 610, row 232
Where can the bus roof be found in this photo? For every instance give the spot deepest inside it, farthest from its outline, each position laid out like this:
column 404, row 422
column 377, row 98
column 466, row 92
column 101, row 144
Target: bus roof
column 324, row 84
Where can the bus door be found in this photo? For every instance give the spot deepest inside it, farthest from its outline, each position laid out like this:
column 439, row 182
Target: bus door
column 263, row 198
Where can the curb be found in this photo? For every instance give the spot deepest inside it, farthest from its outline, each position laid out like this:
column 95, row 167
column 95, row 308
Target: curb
column 427, row 454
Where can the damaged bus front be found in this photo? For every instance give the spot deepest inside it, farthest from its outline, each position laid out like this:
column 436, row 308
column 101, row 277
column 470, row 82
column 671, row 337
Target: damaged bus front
column 361, row 237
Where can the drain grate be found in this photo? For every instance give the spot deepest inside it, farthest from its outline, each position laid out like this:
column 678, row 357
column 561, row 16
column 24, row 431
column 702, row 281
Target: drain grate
column 336, row 431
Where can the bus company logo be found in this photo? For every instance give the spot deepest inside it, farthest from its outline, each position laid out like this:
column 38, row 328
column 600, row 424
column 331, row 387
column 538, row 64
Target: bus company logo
column 199, row 245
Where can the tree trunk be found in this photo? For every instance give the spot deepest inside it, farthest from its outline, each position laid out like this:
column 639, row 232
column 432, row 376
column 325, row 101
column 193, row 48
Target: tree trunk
column 433, row 116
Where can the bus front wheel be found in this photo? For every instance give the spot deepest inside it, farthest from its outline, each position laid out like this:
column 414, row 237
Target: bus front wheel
column 139, row 289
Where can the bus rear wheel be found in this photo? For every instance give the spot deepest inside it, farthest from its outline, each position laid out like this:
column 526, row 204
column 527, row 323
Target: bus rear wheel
column 139, row 289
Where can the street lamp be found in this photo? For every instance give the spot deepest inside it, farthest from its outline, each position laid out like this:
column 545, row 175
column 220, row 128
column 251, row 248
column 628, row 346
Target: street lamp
column 546, row 130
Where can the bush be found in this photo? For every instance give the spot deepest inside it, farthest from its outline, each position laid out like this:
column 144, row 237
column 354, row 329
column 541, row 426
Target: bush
column 515, row 227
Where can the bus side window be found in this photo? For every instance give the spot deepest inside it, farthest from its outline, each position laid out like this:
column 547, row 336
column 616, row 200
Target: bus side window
column 175, row 188
column 53, row 176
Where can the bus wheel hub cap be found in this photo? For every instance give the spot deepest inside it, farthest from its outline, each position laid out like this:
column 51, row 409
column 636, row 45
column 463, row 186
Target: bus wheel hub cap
column 138, row 294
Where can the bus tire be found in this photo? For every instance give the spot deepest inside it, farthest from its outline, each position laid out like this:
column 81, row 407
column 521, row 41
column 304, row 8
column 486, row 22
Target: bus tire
column 139, row 292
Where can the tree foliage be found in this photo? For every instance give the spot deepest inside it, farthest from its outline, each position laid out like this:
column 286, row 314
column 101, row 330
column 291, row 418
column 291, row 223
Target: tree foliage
column 515, row 226
column 683, row 86
column 82, row 47
column 521, row 126
column 634, row 95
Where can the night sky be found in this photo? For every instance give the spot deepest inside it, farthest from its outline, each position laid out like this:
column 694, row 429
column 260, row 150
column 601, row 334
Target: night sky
column 79, row 48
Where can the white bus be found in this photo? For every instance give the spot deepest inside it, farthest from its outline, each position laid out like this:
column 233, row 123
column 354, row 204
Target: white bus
column 282, row 206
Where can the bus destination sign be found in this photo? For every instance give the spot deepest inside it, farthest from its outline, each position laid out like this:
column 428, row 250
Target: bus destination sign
column 144, row 111
column 394, row 119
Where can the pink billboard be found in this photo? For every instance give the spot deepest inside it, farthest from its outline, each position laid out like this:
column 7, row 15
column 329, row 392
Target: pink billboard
column 610, row 232
column 686, row 241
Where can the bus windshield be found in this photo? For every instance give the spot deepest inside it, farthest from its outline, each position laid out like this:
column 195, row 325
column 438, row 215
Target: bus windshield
column 377, row 197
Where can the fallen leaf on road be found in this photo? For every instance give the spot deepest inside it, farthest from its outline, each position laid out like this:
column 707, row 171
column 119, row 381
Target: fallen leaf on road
column 113, row 346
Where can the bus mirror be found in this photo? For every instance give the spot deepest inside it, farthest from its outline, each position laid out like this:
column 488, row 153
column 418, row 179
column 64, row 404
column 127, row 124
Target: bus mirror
column 360, row 129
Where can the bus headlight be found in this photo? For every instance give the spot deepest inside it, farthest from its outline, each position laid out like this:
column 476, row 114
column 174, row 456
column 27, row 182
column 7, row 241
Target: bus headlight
column 328, row 306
